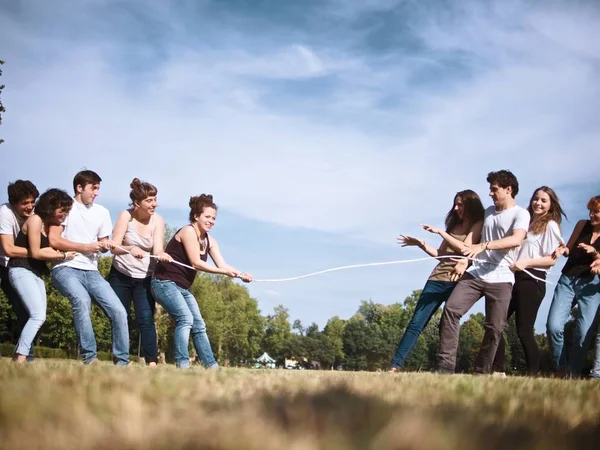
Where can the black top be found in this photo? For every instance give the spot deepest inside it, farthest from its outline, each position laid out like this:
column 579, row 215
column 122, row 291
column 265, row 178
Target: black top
column 37, row 266
column 579, row 261
column 181, row 276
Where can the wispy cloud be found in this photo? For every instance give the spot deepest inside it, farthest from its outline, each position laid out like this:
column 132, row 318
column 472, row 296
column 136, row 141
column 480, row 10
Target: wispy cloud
column 357, row 119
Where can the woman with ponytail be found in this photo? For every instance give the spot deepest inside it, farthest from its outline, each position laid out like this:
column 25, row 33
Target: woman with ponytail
column 139, row 233
column 171, row 285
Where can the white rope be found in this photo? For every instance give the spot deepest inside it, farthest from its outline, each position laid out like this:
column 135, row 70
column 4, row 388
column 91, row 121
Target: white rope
column 354, row 266
column 387, row 263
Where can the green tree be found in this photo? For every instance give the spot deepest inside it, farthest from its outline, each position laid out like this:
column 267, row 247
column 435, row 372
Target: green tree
column 469, row 342
column 334, row 330
column 277, row 333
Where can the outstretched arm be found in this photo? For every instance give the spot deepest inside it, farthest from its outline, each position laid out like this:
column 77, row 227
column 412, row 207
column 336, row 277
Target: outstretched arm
column 188, row 238
column 64, row 245
column 217, row 257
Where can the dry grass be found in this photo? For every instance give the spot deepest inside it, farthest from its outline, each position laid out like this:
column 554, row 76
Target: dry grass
column 58, row 405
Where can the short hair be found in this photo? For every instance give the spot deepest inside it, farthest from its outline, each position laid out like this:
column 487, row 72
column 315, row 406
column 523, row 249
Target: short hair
column 50, row 201
column 20, row 190
column 198, row 203
column 594, row 203
column 141, row 190
column 504, row 179
column 85, row 177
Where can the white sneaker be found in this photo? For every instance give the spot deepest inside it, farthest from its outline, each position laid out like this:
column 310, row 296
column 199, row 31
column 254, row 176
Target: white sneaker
column 499, row 374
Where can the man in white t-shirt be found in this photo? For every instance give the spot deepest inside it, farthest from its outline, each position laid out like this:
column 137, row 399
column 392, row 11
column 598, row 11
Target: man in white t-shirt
column 86, row 232
column 504, row 227
column 21, row 201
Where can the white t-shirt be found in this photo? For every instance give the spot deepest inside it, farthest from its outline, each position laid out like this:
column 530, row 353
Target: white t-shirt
column 537, row 246
column 85, row 224
column 497, row 225
column 10, row 223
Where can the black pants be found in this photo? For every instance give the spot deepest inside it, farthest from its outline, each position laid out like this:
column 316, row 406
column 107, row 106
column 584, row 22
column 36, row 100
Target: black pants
column 527, row 297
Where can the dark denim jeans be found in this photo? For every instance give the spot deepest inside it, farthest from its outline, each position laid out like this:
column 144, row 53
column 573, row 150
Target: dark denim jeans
column 138, row 290
column 433, row 295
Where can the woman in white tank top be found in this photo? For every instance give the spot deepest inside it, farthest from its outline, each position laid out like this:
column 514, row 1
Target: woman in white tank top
column 140, row 231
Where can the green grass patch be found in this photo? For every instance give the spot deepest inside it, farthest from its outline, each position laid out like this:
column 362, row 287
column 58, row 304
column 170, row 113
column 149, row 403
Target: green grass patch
column 56, row 404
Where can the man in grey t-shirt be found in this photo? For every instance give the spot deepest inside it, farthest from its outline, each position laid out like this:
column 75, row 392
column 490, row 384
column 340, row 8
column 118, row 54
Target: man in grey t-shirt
column 504, row 227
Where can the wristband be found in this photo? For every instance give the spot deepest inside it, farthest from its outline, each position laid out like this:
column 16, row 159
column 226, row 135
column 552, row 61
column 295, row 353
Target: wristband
column 64, row 256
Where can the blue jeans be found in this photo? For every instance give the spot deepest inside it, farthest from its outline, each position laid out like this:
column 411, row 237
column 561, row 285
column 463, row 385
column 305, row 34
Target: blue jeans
column 183, row 307
column 570, row 291
column 596, row 369
column 32, row 291
column 17, row 305
column 138, row 290
column 433, row 295
column 79, row 286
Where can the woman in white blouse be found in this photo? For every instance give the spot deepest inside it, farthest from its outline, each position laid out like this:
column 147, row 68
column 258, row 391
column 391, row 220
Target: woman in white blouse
column 535, row 255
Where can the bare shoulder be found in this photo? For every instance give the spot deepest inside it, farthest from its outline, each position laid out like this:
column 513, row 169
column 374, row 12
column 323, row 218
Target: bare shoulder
column 125, row 216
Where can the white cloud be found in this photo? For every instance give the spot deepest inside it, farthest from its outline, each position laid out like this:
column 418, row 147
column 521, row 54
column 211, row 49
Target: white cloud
column 203, row 119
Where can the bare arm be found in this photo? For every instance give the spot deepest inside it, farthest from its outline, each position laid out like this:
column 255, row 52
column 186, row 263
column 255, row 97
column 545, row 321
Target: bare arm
column 473, row 236
column 10, row 249
column 544, row 262
column 64, row 245
column 217, row 257
column 187, row 236
column 506, row 243
column 119, row 233
column 566, row 249
column 409, row 241
column 34, row 231
column 158, row 246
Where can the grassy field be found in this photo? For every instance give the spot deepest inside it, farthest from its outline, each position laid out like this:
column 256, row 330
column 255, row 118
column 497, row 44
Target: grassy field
column 62, row 404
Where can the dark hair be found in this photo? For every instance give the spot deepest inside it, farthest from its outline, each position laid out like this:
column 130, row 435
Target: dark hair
column 20, row 190
column 50, row 201
column 504, row 179
column 141, row 190
column 198, row 203
column 593, row 203
column 472, row 206
column 84, row 178
column 554, row 213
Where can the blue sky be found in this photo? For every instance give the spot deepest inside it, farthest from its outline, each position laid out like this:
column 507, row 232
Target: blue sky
column 322, row 128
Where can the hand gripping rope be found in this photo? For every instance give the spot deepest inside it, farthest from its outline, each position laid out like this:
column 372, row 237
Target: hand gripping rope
column 355, row 266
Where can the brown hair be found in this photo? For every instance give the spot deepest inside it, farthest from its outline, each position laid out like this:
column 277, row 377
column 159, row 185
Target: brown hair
column 84, row 178
column 20, row 190
column 198, row 203
column 473, row 209
column 554, row 213
column 504, row 179
column 594, row 203
column 50, row 201
column 141, row 190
